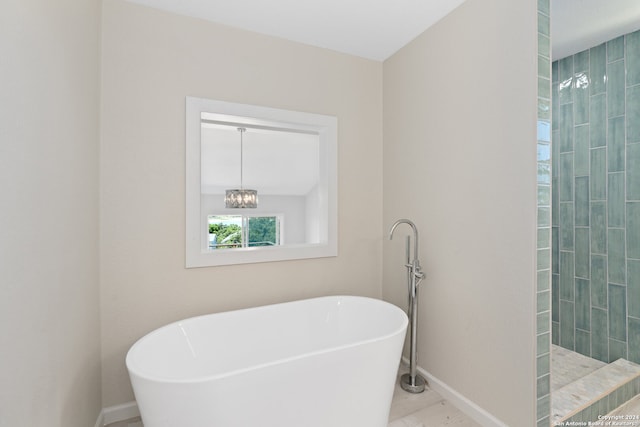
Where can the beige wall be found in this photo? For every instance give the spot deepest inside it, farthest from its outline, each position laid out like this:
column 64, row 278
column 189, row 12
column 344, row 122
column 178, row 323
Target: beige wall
column 151, row 61
column 49, row 308
column 460, row 160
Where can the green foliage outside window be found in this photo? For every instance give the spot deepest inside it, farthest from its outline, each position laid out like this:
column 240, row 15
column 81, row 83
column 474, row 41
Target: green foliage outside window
column 262, row 231
column 229, row 235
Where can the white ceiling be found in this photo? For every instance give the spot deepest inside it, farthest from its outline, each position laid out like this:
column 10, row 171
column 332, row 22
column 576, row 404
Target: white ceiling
column 577, row 25
column 269, row 159
column 376, row 29
column 373, row 29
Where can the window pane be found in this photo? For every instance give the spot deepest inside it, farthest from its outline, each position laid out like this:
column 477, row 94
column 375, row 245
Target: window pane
column 225, row 232
column 263, row 231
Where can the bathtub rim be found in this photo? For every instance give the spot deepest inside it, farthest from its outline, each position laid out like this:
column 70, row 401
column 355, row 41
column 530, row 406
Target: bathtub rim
column 234, row 372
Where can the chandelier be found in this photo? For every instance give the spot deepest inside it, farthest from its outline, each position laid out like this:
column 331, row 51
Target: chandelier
column 241, row 198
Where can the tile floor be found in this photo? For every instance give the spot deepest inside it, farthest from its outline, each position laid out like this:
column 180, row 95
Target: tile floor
column 568, row 366
column 427, row 409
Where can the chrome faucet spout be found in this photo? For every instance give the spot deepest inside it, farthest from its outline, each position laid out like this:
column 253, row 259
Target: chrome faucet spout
column 415, row 235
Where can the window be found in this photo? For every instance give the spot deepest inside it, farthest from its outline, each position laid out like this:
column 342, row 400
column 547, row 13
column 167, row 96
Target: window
column 243, row 231
column 283, row 148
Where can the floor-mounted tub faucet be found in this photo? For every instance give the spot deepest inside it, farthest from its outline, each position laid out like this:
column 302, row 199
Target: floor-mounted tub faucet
column 412, row 382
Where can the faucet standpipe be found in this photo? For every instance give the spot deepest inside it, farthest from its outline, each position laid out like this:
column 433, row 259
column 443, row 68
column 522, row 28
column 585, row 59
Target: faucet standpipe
column 412, row 382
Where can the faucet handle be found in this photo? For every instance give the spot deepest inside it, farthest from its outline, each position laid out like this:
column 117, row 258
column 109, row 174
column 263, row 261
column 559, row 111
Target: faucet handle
column 417, row 270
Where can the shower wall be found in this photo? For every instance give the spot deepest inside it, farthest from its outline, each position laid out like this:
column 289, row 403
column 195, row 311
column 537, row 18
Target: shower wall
column 596, row 200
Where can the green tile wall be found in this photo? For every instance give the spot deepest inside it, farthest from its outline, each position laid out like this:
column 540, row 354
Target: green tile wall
column 596, row 200
column 545, row 239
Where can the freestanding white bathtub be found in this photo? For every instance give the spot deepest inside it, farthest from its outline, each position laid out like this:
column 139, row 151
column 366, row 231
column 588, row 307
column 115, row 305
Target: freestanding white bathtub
column 322, row 362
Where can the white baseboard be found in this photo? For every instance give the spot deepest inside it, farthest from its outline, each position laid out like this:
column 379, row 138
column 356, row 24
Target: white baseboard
column 470, row 408
column 100, row 420
column 116, row 413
